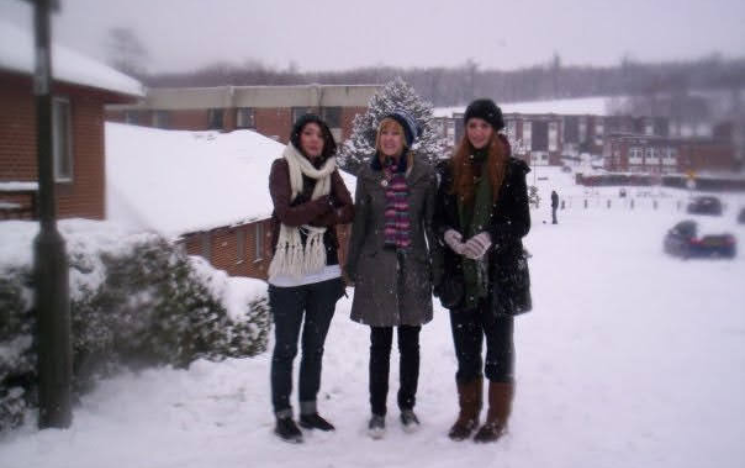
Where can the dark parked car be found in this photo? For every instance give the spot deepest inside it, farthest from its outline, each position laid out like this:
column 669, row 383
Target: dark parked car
column 707, row 205
column 687, row 240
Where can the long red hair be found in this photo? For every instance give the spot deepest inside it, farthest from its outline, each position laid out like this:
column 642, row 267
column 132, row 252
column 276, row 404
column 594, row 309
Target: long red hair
column 495, row 166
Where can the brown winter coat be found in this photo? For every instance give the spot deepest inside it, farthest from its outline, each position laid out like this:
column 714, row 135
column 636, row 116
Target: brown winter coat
column 383, row 297
column 336, row 208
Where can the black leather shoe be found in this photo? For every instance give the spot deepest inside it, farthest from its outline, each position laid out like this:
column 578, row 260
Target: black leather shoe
column 288, row 431
column 315, row 421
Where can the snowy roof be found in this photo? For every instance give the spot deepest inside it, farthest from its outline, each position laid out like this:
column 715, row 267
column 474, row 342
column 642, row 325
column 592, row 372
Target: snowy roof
column 580, row 106
column 176, row 182
column 17, row 54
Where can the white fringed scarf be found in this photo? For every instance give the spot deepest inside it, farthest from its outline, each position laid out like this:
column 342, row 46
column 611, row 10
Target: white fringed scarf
column 291, row 257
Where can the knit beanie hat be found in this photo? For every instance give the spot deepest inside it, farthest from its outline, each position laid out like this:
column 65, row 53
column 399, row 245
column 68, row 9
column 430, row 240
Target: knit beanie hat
column 485, row 109
column 411, row 129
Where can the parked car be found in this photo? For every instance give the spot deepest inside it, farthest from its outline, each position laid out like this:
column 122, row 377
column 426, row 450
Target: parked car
column 688, row 239
column 706, row 205
column 741, row 216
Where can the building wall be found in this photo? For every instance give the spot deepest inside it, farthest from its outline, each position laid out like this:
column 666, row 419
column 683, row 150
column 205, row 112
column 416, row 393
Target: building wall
column 188, row 108
column 274, row 122
column 84, row 196
column 714, row 156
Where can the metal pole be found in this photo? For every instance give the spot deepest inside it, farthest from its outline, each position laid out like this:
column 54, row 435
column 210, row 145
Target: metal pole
column 54, row 349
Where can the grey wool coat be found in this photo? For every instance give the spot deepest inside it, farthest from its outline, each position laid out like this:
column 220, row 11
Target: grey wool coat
column 386, row 295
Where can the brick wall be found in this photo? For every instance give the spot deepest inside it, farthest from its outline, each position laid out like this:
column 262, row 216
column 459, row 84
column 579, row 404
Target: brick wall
column 706, row 156
column 274, row 121
column 187, row 119
column 85, row 195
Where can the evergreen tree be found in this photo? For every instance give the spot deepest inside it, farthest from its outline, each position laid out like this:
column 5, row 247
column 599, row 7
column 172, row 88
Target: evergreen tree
column 395, row 95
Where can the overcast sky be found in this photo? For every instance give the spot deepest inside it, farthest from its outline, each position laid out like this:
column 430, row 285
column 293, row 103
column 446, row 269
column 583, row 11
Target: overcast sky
column 339, row 34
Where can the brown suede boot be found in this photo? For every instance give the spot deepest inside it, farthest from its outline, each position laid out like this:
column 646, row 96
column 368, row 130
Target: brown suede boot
column 500, row 407
column 469, row 398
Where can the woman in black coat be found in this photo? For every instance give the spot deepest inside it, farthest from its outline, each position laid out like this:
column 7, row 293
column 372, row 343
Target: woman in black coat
column 481, row 216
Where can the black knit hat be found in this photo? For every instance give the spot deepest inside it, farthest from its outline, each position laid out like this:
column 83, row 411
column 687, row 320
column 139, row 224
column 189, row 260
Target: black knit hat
column 329, row 145
column 485, row 109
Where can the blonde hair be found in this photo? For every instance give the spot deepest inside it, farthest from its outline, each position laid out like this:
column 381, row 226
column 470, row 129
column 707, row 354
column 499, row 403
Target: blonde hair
column 385, row 124
column 391, row 123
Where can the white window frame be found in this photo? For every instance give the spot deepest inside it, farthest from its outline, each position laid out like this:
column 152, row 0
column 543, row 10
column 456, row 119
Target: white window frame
column 240, row 116
column 528, row 135
column 240, row 245
column 553, row 136
column 56, row 145
column 259, row 242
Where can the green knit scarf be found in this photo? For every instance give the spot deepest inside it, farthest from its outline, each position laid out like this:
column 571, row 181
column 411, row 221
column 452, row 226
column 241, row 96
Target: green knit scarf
column 474, row 218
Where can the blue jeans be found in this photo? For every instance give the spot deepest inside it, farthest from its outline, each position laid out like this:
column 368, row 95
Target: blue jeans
column 315, row 303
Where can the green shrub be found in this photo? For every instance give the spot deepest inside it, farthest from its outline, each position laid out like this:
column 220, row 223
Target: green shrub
column 145, row 306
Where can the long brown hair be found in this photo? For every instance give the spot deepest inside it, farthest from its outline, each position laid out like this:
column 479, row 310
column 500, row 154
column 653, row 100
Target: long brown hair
column 495, row 166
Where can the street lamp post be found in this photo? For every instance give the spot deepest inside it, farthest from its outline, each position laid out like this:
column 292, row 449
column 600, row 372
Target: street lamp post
column 52, row 302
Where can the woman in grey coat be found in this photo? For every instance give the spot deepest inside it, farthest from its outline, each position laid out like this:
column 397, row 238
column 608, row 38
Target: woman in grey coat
column 389, row 261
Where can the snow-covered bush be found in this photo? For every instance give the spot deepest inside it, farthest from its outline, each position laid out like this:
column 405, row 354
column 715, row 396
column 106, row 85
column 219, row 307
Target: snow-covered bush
column 136, row 300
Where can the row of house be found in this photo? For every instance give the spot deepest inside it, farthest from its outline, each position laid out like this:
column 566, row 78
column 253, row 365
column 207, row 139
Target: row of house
column 269, row 110
column 627, row 152
column 626, row 143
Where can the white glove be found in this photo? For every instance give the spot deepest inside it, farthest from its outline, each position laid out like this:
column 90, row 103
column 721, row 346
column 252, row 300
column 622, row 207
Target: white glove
column 454, row 240
column 477, row 246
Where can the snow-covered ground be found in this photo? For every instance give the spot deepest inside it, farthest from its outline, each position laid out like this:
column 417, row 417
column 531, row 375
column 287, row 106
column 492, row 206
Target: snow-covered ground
column 630, row 358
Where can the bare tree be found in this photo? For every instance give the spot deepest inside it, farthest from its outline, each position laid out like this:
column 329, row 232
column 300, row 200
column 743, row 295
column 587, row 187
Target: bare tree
column 126, row 52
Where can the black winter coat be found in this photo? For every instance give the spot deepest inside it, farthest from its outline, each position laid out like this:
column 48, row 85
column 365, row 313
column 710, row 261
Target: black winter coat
column 509, row 279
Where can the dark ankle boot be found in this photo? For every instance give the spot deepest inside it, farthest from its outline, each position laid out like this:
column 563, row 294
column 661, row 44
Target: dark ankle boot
column 500, row 407
column 288, row 431
column 469, row 399
column 315, row 421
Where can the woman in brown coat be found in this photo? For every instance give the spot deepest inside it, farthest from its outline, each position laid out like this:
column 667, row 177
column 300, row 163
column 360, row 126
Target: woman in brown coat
column 310, row 199
column 389, row 261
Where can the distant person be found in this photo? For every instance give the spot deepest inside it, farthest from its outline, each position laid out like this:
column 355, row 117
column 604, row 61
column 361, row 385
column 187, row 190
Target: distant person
column 482, row 214
column 389, row 262
column 554, row 206
column 305, row 281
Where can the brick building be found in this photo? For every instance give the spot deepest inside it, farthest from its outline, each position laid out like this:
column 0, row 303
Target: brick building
column 667, row 155
column 554, row 138
column 81, row 87
column 270, row 110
